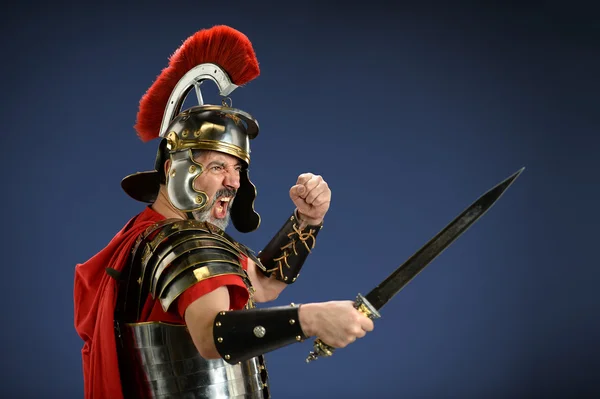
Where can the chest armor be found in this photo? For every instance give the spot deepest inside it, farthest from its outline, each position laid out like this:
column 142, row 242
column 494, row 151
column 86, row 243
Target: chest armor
column 160, row 360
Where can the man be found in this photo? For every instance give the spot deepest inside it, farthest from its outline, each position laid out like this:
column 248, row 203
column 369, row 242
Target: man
column 168, row 307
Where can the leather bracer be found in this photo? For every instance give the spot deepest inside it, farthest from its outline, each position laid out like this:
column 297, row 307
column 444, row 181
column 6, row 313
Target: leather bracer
column 242, row 334
column 287, row 251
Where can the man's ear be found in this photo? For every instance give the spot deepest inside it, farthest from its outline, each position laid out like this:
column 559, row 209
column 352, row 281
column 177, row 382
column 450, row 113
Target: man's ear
column 166, row 166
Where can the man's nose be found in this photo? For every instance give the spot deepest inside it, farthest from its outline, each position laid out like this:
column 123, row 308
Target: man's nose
column 232, row 180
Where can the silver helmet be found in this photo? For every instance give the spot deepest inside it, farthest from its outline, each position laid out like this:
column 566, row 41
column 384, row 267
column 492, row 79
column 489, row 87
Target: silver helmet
column 224, row 56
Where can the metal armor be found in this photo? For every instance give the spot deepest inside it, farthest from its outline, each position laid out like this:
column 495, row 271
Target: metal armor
column 159, row 360
column 166, row 364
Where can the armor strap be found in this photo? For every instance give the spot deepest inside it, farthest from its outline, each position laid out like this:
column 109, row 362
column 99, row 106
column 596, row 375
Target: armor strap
column 242, row 334
column 287, row 251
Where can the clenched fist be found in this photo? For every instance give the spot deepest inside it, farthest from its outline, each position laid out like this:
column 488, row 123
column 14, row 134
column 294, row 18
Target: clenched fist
column 312, row 198
column 336, row 323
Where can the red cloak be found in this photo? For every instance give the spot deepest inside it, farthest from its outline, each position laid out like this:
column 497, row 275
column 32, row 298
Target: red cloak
column 94, row 300
column 95, row 295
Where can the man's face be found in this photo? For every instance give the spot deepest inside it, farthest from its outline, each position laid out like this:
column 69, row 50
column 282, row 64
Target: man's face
column 220, row 181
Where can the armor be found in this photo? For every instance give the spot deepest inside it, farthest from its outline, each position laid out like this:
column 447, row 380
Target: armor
column 287, row 251
column 240, row 335
column 164, row 363
column 158, row 359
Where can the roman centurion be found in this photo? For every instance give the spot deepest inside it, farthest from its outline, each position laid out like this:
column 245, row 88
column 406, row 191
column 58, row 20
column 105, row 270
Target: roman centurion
column 168, row 307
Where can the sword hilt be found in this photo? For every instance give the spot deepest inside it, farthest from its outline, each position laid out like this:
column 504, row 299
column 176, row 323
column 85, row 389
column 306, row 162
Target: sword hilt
column 321, row 349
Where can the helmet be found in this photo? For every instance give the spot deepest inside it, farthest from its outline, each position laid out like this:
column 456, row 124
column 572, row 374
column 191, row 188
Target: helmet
column 226, row 57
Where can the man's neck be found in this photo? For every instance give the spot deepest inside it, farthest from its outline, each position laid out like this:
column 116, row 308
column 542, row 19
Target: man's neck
column 163, row 206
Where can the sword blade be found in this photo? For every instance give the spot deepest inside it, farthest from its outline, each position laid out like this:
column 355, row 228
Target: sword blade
column 389, row 287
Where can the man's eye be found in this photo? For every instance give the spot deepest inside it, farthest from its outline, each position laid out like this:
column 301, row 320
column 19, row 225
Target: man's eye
column 217, row 168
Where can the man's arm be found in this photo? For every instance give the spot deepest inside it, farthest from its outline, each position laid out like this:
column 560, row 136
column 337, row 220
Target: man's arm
column 285, row 254
column 198, row 274
column 267, row 288
column 200, row 316
column 337, row 323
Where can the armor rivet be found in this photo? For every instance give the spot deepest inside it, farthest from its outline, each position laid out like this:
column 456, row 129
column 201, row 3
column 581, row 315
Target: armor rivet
column 197, row 133
column 259, row 331
column 220, row 339
column 218, row 324
column 223, row 313
column 298, row 338
column 227, row 357
column 285, row 278
column 173, row 173
column 192, row 168
column 185, row 133
column 292, row 321
column 292, row 304
column 199, row 199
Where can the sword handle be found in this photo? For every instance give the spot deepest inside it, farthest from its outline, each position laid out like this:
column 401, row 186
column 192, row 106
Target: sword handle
column 321, row 349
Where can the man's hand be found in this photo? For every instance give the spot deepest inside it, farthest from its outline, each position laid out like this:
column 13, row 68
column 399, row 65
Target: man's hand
column 336, row 323
column 312, row 197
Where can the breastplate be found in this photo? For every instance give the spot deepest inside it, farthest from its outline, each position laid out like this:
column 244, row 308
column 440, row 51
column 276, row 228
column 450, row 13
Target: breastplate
column 164, row 363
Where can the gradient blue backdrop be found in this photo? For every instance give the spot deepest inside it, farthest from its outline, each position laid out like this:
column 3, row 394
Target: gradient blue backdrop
column 410, row 113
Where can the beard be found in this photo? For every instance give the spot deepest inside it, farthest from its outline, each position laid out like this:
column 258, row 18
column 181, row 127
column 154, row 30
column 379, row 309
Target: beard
column 205, row 215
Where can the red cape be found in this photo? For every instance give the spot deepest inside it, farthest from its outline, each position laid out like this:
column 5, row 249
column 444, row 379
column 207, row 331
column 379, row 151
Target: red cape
column 94, row 300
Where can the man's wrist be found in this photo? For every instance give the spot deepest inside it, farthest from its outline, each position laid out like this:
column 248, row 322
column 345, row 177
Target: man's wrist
column 306, row 220
column 304, row 317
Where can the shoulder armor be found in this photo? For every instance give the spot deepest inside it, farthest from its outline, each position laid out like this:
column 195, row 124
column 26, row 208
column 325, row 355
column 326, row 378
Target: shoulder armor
column 177, row 254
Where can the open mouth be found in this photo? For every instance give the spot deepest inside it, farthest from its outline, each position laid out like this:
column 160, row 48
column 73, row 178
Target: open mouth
column 221, row 207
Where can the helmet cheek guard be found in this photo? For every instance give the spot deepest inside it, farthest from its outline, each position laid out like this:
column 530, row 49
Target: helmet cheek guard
column 182, row 174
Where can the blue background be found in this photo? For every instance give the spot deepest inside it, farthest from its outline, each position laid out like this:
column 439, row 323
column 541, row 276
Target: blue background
column 410, row 113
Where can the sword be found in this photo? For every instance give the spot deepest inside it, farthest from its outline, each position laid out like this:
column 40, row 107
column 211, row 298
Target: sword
column 370, row 304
